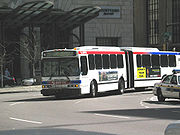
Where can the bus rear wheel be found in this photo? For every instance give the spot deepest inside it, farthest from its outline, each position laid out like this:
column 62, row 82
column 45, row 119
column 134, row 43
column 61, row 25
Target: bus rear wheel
column 121, row 86
column 93, row 89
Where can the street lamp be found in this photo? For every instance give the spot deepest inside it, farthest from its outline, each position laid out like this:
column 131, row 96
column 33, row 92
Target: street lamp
column 167, row 36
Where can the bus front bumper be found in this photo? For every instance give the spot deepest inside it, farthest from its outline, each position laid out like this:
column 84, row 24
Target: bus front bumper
column 63, row 92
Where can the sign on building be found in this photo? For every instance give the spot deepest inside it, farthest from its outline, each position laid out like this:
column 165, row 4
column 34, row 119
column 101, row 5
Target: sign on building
column 110, row 12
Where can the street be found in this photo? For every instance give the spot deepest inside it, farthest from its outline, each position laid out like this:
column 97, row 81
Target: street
column 133, row 113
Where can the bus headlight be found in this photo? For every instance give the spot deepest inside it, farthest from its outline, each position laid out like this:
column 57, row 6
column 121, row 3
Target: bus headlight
column 76, row 85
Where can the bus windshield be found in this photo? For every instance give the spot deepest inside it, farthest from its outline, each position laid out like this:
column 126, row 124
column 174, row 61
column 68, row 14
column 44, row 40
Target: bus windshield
column 60, row 67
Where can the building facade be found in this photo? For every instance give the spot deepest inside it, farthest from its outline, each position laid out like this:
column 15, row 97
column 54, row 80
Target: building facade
column 113, row 26
column 39, row 26
column 157, row 24
column 71, row 23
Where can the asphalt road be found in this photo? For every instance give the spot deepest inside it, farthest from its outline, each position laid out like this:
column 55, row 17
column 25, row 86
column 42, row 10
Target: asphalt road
column 133, row 113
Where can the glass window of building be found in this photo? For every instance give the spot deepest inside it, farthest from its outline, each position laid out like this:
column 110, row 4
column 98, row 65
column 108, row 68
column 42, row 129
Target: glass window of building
column 108, row 41
column 176, row 21
column 153, row 21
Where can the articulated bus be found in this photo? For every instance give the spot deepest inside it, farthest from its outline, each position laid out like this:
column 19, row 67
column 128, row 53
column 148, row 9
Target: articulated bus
column 93, row 69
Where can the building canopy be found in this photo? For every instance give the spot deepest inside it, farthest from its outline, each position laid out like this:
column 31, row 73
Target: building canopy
column 41, row 13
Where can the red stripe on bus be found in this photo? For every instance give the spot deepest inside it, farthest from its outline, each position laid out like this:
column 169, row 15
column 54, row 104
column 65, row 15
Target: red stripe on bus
column 140, row 52
column 100, row 52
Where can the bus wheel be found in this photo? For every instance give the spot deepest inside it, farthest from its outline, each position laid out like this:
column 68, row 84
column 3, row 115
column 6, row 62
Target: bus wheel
column 93, row 89
column 160, row 97
column 121, row 86
column 58, row 96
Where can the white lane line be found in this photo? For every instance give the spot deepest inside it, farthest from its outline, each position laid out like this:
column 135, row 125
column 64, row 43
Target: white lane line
column 77, row 102
column 141, row 103
column 154, row 98
column 176, row 111
column 112, row 116
column 28, row 121
column 83, row 100
column 16, row 103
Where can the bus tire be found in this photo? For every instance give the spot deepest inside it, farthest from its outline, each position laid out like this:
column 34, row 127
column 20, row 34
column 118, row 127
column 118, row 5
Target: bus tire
column 93, row 89
column 57, row 96
column 121, row 86
column 160, row 97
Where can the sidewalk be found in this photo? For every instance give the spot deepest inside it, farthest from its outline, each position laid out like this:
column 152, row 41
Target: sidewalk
column 20, row 89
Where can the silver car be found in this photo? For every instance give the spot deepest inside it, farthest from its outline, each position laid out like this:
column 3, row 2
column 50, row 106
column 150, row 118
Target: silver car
column 173, row 129
column 169, row 87
column 29, row 81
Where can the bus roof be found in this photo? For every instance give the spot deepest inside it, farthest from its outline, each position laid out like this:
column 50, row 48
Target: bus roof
column 135, row 50
column 97, row 48
column 139, row 49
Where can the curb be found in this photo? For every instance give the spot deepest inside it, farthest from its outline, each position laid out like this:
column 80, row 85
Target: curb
column 20, row 89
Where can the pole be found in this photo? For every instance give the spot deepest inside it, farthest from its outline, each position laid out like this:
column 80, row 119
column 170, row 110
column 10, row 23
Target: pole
column 2, row 72
column 3, row 51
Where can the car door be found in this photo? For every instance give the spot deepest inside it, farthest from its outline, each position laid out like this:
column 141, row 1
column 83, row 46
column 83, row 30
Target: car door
column 174, row 89
column 165, row 86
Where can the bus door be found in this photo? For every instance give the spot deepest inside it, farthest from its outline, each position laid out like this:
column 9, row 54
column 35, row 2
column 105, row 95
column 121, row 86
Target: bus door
column 84, row 71
column 129, row 69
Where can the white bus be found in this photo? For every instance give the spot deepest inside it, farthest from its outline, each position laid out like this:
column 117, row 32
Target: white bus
column 146, row 66
column 93, row 69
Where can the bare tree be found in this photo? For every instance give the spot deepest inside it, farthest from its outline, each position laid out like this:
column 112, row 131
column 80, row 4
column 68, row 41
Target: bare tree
column 2, row 57
column 28, row 49
column 5, row 58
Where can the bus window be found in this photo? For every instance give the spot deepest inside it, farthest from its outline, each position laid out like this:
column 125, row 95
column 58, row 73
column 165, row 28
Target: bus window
column 113, row 60
column 91, row 62
column 98, row 61
column 84, row 68
column 172, row 60
column 164, row 61
column 155, row 60
column 138, row 60
column 146, row 61
column 120, row 61
column 105, row 58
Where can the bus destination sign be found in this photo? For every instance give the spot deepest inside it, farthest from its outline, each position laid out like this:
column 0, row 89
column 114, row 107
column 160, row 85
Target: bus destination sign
column 59, row 54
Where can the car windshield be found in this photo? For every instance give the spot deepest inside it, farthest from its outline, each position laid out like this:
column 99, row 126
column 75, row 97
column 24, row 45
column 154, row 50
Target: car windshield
column 178, row 79
column 167, row 79
column 60, row 67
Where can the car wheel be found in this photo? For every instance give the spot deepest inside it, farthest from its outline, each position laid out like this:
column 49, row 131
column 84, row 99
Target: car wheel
column 93, row 89
column 160, row 97
column 121, row 86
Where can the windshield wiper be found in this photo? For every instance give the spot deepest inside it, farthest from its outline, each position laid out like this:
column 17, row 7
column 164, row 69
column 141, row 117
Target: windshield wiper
column 66, row 74
column 50, row 76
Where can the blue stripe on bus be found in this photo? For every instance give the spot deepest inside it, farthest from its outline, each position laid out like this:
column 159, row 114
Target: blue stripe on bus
column 73, row 82
column 166, row 53
column 44, row 82
column 76, row 81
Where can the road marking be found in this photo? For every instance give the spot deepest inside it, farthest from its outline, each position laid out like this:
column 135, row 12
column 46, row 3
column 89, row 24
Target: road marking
column 16, row 103
column 113, row 116
column 176, row 111
column 154, row 98
column 77, row 102
column 82, row 100
column 141, row 103
column 28, row 121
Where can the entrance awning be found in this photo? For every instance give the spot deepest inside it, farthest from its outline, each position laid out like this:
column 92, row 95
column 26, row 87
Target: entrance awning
column 41, row 13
